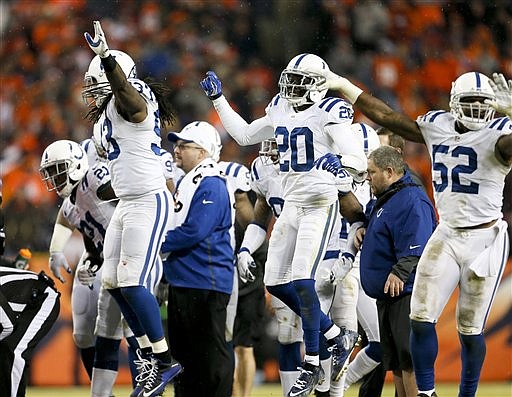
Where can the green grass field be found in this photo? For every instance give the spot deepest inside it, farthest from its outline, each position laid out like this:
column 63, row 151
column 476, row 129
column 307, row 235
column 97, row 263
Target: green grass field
column 274, row 390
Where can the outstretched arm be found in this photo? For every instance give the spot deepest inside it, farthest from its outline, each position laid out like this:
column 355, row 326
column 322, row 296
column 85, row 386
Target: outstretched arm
column 242, row 132
column 375, row 109
column 129, row 103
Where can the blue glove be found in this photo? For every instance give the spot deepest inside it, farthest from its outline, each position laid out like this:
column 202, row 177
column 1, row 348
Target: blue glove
column 330, row 163
column 211, row 85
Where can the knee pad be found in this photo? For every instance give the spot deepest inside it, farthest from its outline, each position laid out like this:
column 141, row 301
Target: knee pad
column 289, row 326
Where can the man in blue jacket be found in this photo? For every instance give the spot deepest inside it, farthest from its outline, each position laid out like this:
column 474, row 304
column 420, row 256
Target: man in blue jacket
column 199, row 267
column 399, row 227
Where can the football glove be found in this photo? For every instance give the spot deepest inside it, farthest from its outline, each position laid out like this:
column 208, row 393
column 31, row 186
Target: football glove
column 99, row 43
column 341, row 267
column 335, row 82
column 329, row 162
column 503, row 92
column 244, row 263
column 58, row 260
column 211, row 85
column 85, row 275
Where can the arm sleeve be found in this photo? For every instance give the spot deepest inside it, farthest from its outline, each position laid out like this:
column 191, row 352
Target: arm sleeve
column 342, row 136
column 202, row 218
column 243, row 133
column 405, row 266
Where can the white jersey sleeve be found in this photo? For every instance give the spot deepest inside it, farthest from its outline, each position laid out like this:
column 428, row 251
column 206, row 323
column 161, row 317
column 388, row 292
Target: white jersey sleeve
column 267, row 182
column 468, row 179
column 241, row 131
column 238, row 175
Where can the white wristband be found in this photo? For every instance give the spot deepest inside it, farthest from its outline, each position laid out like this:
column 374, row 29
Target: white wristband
column 60, row 237
column 253, row 238
column 349, row 90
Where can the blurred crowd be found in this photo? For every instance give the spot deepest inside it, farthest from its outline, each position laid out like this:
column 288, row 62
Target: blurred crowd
column 406, row 52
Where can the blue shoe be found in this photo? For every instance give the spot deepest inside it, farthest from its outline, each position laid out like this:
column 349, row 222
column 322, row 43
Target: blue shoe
column 341, row 348
column 159, row 376
column 310, row 376
column 144, row 366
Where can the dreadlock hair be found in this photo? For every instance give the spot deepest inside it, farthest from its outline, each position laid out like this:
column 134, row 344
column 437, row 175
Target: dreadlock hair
column 163, row 97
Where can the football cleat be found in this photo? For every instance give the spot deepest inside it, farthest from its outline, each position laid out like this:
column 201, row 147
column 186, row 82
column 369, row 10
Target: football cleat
column 341, row 348
column 310, row 376
column 159, row 376
column 144, row 366
column 425, row 395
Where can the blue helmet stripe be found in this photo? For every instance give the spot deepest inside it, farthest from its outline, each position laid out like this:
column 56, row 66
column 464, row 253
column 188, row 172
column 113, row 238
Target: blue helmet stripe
column 299, row 59
column 478, row 81
column 365, row 138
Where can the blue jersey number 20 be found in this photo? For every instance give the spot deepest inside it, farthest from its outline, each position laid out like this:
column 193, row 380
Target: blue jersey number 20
column 468, row 168
column 303, row 146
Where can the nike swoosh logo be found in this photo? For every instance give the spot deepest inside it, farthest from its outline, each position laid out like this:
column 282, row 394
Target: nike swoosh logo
column 293, row 394
column 411, row 247
column 207, row 202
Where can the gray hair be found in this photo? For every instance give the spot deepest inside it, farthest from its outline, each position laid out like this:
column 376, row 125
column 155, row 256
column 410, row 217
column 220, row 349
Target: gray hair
column 386, row 156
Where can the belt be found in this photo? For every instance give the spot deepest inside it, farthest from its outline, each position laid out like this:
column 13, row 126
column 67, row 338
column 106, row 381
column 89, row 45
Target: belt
column 480, row 226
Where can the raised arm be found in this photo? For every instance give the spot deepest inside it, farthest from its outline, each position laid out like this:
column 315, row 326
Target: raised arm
column 242, row 132
column 375, row 109
column 129, row 103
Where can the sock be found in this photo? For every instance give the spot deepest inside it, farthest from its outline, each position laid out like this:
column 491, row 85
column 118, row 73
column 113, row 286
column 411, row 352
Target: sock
column 310, row 315
column 427, row 393
column 359, row 367
column 87, row 356
column 288, row 378
column 129, row 315
column 337, row 388
column 332, row 332
column 102, row 382
column 326, row 365
column 472, row 356
column 423, row 345
column 132, row 356
column 107, row 353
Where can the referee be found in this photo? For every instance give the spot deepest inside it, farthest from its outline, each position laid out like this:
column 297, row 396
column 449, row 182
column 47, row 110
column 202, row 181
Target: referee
column 29, row 306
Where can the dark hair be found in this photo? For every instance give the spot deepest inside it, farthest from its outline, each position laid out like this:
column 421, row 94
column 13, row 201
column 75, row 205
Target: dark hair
column 163, row 97
column 395, row 140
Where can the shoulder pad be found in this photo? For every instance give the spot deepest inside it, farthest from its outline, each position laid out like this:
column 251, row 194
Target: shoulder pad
column 338, row 109
column 500, row 124
column 431, row 116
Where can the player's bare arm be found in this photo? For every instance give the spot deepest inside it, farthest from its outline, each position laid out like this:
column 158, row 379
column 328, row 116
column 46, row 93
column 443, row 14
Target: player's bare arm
column 375, row 109
column 129, row 103
column 244, row 213
column 503, row 149
column 262, row 212
column 350, row 208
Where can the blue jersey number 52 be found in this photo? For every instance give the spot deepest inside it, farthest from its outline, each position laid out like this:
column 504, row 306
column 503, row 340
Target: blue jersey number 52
column 462, row 152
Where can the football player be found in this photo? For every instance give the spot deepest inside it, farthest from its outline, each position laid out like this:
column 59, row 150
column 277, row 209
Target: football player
column 471, row 154
column 130, row 114
column 306, row 126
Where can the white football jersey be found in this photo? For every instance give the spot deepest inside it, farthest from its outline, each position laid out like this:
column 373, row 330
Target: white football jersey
column 237, row 174
column 467, row 177
column 87, row 212
column 169, row 167
column 133, row 148
column 266, row 181
column 302, row 137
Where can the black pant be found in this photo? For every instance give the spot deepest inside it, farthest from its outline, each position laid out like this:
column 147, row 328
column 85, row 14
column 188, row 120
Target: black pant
column 197, row 325
column 16, row 350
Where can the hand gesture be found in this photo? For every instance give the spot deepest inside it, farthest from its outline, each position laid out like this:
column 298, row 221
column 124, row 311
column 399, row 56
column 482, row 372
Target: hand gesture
column 503, row 92
column 211, row 85
column 58, row 260
column 244, row 263
column 341, row 267
column 330, row 163
column 99, row 43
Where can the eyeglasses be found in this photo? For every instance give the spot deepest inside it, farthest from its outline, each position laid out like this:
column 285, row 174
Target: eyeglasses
column 183, row 146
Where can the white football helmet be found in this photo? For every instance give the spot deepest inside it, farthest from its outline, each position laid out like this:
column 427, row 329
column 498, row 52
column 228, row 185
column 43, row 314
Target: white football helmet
column 63, row 164
column 268, row 152
column 467, row 97
column 367, row 136
column 299, row 82
column 96, row 85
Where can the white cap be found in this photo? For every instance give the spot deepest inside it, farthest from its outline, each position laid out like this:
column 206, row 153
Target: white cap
column 203, row 134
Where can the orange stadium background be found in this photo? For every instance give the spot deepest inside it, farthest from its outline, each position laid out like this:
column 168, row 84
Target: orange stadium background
column 57, row 361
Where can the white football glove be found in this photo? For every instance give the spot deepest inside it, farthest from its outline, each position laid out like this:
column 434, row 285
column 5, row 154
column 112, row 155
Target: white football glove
column 99, row 43
column 338, row 83
column 503, row 92
column 341, row 267
column 58, row 260
column 85, row 275
column 244, row 261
